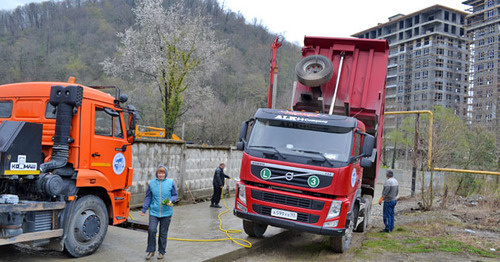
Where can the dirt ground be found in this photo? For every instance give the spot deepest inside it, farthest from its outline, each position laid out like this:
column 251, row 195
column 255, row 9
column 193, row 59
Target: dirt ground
column 465, row 229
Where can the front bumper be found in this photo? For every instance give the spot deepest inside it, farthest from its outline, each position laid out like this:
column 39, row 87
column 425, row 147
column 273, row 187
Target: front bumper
column 289, row 224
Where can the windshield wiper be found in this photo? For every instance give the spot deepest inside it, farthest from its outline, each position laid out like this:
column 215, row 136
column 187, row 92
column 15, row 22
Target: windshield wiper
column 272, row 147
column 314, row 152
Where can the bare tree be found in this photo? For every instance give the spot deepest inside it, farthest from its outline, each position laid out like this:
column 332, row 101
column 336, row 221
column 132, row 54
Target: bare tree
column 174, row 48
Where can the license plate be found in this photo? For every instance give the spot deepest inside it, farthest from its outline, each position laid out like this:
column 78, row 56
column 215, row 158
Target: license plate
column 283, row 214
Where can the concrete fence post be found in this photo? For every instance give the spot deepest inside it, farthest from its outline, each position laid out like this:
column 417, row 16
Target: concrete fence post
column 182, row 171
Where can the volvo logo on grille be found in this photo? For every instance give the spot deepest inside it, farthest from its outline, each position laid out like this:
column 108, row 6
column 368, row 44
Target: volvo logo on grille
column 289, row 176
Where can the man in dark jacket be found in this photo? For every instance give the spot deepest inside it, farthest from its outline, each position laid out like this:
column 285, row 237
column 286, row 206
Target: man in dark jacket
column 218, row 183
column 389, row 194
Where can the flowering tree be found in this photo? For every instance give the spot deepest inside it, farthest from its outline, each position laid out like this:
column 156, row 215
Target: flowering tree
column 175, row 48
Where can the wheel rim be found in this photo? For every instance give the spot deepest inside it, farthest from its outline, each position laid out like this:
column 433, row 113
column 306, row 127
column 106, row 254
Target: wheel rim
column 313, row 67
column 87, row 226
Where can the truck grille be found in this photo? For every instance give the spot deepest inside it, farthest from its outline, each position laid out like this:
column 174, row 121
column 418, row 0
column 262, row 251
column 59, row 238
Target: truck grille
column 301, row 217
column 287, row 200
column 290, row 175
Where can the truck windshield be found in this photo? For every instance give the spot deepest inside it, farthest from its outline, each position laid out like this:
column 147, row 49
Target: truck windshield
column 292, row 138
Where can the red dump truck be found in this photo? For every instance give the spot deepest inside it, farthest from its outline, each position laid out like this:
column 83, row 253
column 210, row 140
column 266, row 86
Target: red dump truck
column 314, row 168
column 65, row 164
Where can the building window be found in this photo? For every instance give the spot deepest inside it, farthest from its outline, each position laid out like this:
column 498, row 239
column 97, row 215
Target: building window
column 425, row 74
column 449, row 86
column 446, row 28
column 439, row 62
column 491, row 13
column 424, row 97
column 450, row 53
column 438, row 97
column 426, row 51
column 448, row 97
column 449, row 64
column 438, row 85
column 446, row 15
column 416, row 86
column 424, row 85
column 417, row 75
column 453, row 17
column 415, row 97
column 439, row 51
column 425, row 63
column 438, row 73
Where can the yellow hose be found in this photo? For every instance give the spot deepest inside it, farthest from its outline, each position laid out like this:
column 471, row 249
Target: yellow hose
column 238, row 241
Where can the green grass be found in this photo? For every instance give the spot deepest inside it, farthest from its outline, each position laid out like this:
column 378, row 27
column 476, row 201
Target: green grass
column 402, row 240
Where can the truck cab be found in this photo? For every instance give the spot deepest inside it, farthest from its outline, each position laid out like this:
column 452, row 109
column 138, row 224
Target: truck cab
column 65, row 157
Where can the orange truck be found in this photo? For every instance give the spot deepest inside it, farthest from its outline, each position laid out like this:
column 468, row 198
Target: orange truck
column 65, row 164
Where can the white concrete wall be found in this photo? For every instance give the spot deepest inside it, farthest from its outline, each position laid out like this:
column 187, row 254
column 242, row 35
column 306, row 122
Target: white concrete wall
column 191, row 166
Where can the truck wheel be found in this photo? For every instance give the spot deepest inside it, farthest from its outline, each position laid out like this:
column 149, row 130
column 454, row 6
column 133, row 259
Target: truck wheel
column 87, row 226
column 314, row 70
column 254, row 229
column 340, row 244
column 366, row 214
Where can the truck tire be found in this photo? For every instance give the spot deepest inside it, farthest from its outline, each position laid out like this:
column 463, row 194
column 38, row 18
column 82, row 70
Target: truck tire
column 366, row 214
column 314, row 70
column 254, row 229
column 340, row 244
column 87, row 226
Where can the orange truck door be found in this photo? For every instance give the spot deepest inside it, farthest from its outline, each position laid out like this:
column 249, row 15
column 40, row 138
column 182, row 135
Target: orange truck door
column 107, row 150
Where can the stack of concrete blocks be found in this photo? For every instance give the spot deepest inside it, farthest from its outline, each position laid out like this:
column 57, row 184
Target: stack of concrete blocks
column 192, row 167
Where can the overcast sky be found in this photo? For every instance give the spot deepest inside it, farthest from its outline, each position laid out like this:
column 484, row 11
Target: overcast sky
column 296, row 18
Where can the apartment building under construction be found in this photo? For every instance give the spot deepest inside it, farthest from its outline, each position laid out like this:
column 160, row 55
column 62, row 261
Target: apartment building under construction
column 483, row 29
column 428, row 59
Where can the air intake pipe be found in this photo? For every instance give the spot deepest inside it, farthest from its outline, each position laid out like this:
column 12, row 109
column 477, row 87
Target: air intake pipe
column 66, row 100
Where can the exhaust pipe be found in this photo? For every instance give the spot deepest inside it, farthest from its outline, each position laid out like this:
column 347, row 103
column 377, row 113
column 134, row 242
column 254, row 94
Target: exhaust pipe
column 66, row 100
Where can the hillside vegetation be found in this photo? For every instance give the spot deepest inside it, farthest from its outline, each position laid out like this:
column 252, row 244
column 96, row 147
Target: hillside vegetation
column 51, row 41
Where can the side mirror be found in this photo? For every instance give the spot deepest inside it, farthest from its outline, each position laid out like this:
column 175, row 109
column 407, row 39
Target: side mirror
column 368, row 144
column 130, row 136
column 240, row 146
column 243, row 131
column 366, row 162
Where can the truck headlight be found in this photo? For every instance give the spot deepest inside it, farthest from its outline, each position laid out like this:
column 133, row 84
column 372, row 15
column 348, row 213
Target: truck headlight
column 334, row 209
column 242, row 195
column 241, row 207
column 331, row 224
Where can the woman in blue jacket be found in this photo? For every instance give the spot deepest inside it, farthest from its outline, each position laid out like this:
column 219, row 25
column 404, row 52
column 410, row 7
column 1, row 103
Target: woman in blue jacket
column 159, row 189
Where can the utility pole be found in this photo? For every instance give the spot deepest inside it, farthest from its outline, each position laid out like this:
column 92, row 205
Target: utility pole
column 415, row 152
